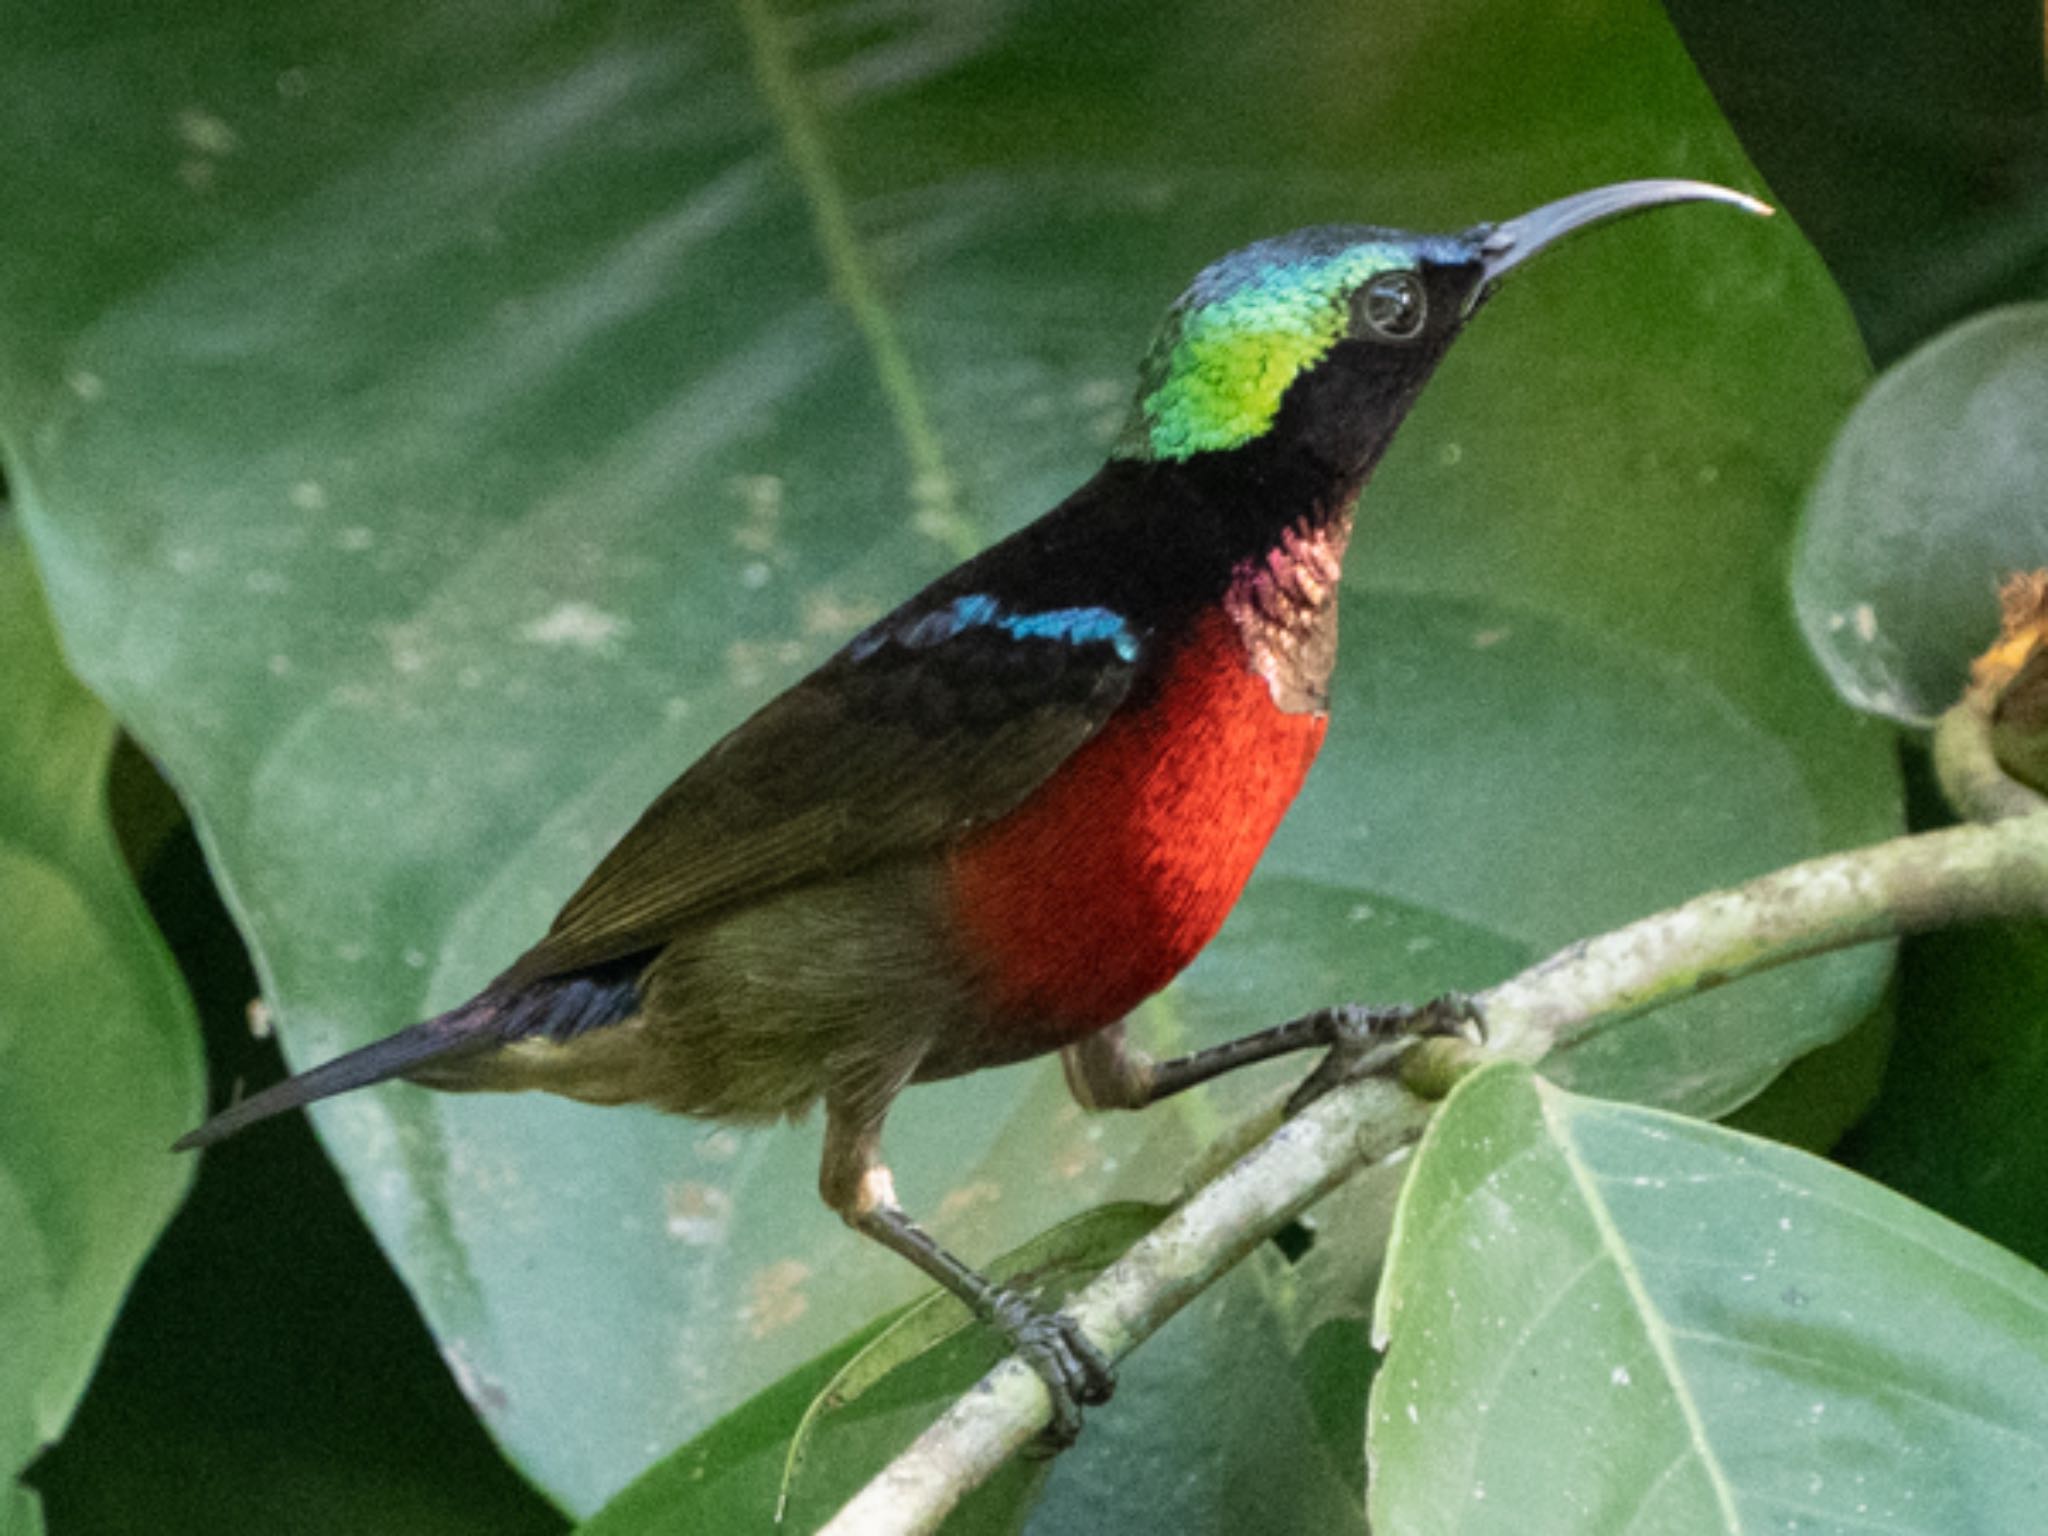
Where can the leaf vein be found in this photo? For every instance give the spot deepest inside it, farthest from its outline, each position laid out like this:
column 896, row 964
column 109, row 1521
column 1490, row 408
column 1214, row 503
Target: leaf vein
column 937, row 511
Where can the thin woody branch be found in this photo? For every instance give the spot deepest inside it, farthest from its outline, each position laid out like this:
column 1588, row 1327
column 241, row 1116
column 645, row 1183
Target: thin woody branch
column 1972, row 778
column 1884, row 891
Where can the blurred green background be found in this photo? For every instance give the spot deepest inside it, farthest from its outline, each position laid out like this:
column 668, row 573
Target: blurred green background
column 1907, row 138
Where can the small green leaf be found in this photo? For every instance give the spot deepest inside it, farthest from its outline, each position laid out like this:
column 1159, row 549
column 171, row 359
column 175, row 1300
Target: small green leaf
column 1936, row 490
column 99, row 1054
column 1607, row 1319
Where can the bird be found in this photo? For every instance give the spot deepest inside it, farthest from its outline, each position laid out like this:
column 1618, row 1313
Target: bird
column 1016, row 806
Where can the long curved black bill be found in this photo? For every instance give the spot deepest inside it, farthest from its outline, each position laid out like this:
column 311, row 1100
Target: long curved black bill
column 1506, row 246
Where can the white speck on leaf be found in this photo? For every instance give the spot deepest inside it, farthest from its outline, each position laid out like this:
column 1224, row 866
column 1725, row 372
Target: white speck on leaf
column 1866, row 623
column 408, row 654
column 775, row 1298
column 308, row 496
column 204, row 134
column 698, row 1213
column 1100, row 393
column 762, row 497
column 576, row 624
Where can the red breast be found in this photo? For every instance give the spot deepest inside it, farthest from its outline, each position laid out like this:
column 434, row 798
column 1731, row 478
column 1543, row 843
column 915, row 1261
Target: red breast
column 1115, row 872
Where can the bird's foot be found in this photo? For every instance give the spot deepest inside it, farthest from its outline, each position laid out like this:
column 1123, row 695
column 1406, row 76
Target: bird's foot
column 1074, row 1369
column 1364, row 1041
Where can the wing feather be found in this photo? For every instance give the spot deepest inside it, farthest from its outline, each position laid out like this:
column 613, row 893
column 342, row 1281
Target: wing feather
column 933, row 723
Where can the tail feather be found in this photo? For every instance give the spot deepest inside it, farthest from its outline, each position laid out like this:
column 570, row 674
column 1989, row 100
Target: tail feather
column 394, row 1056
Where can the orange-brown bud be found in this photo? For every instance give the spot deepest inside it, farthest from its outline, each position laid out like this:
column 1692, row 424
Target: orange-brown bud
column 2009, row 682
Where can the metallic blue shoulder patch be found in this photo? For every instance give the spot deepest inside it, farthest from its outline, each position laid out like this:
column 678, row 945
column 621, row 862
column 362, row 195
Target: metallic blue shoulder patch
column 977, row 610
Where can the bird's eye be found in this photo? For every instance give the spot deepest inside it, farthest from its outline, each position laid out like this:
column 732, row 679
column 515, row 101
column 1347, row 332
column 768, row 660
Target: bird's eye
column 1392, row 306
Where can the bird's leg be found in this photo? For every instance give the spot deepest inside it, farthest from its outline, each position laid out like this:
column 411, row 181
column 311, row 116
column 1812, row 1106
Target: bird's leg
column 1368, row 1040
column 1106, row 1072
column 857, row 1184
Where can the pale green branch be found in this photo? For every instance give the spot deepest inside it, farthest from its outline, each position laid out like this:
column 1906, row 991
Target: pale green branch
column 1970, row 774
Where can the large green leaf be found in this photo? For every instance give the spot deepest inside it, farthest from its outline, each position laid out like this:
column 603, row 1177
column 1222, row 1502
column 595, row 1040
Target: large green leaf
column 1909, row 148
column 1420, row 861
column 437, row 425
column 1936, row 491
column 1608, row 1320
column 268, row 1372
column 99, row 1054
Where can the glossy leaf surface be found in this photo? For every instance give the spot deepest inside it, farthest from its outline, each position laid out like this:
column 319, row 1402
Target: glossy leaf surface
column 440, row 425
column 1932, row 496
column 1606, row 1319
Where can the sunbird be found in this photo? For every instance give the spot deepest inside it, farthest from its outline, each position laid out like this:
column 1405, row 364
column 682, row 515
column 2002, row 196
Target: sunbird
column 1012, row 809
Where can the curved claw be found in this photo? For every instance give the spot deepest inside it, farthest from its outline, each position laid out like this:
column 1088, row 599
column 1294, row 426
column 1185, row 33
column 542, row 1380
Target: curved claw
column 1074, row 1369
column 1364, row 1041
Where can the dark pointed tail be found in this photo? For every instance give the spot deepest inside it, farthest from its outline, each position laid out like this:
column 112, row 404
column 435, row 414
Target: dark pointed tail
column 450, row 1034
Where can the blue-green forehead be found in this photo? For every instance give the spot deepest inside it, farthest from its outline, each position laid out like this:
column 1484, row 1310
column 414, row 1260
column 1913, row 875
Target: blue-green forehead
column 1252, row 323
column 1327, row 259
